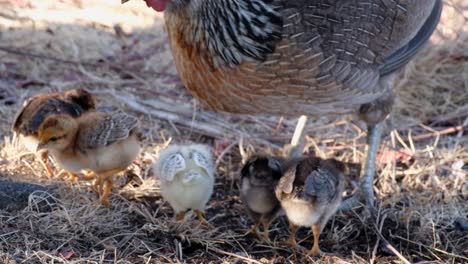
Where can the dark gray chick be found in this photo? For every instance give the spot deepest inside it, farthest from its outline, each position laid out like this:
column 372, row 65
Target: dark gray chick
column 259, row 177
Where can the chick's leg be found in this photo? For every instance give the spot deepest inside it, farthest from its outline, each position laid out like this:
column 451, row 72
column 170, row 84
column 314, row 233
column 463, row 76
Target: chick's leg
column 253, row 230
column 106, row 190
column 266, row 229
column 70, row 175
column 88, row 176
column 103, row 184
column 315, row 251
column 180, row 216
column 44, row 159
column 202, row 218
column 291, row 242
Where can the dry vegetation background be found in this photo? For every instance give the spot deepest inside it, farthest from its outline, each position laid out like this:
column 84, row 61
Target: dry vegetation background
column 121, row 54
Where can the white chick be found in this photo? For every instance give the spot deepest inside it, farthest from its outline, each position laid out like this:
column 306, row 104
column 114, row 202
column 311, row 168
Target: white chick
column 186, row 173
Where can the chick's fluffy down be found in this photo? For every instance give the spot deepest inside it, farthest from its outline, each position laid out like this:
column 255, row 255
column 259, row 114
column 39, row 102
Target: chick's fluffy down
column 186, row 175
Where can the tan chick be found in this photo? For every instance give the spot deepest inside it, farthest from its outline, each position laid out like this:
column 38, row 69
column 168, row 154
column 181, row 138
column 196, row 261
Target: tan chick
column 259, row 176
column 310, row 192
column 186, row 174
column 37, row 108
column 102, row 143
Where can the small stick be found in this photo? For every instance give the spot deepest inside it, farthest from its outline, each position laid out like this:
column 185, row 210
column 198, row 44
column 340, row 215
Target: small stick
column 387, row 244
column 446, row 131
column 374, row 252
column 242, row 150
column 297, row 141
column 224, row 152
column 72, row 62
column 234, row 255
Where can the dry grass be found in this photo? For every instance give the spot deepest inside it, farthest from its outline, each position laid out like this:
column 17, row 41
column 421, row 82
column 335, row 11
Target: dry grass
column 121, row 53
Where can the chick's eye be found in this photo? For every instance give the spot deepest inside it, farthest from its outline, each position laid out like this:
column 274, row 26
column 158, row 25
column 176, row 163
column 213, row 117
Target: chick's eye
column 53, row 139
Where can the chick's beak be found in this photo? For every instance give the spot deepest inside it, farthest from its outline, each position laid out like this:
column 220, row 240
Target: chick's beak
column 124, row 1
column 40, row 146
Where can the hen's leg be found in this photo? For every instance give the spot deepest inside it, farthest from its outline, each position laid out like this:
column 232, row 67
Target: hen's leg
column 373, row 114
column 374, row 134
column 366, row 192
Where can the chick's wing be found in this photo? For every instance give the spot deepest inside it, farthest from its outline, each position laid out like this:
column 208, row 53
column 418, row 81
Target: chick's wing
column 321, row 186
column 102, row 130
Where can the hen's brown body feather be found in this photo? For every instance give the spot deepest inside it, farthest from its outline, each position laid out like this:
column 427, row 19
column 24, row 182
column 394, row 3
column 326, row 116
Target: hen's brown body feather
column 328, row 58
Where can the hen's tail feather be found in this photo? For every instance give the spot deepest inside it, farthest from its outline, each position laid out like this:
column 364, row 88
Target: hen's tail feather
column 402, row 56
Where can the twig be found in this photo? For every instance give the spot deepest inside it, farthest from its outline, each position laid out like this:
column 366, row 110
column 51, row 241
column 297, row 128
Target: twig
column 429, row 247
column 114, row 67
column 446, row 131
column 374, row 252
column 224, row 152
column 377, row 230
column 387, row 244
column 234, row 255
column 217, row 130
column 460, row 113
column 45, row 57
column 297, row 141
column 242, row 150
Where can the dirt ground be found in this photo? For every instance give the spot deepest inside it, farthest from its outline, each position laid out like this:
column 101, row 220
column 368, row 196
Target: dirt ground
column 121, row 53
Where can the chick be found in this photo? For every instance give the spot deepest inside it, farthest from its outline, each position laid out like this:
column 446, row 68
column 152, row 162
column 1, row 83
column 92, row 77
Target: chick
column 310, row 192
column 259, row 176
column 186, row 173
column 28, row 119
column 102, row 143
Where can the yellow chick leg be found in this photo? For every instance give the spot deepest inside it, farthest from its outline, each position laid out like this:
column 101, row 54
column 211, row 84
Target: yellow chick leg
column 266, row 229
column 180, row 216
column 253, row 230
column 202, row 218
column 106, row 191
column 315, row 251
column 88, row 176
column 70, row 175
column 44, row 159
column 291, row 242
column 103, row 184
column 97, row 185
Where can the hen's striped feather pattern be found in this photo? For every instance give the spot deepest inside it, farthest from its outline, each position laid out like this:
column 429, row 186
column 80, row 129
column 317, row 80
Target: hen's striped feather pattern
column 293, row 57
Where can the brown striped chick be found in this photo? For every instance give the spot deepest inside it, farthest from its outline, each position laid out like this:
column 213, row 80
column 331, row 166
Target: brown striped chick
column 35, row 109
column 310, row 192
column 186, row 174
column 259, row 176
column 102, row 143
